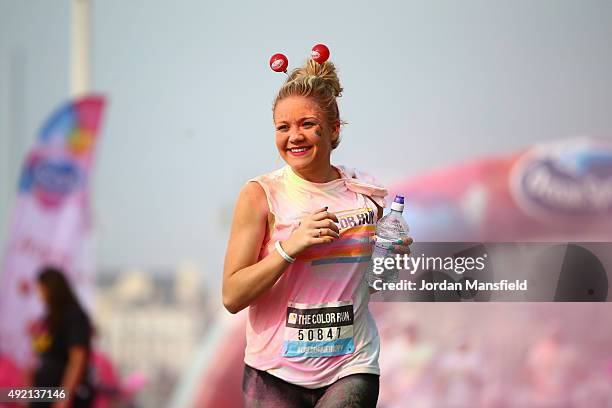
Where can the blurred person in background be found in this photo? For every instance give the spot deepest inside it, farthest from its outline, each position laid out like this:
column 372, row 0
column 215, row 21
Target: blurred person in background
column 62, row 342
column 553, row 367
column 297, row 253
column 459, row 376
column 405, row 360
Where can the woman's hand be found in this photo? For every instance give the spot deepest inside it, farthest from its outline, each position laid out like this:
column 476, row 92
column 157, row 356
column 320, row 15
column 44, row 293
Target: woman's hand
column 399, row 247
column 316, row 228
column 402, row 246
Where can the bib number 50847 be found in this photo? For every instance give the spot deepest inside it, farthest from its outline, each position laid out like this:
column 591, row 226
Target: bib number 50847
column 319, row 334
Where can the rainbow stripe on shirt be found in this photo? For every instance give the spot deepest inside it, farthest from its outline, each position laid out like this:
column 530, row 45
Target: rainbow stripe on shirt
column 355, row 244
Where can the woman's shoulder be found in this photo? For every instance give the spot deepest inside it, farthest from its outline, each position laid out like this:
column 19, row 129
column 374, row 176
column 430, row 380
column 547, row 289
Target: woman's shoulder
column 253, row 198
column 264, row 187
column 252, row 193
column 259, row 187
column 271, row 176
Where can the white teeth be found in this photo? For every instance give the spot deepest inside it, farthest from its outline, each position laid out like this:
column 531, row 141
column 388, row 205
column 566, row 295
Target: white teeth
column 298, row 150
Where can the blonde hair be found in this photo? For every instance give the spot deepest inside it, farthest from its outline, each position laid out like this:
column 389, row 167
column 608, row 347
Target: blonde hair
column 317, row 81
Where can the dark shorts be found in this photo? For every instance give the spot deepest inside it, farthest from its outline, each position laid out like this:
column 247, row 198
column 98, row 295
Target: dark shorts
column 261, row 389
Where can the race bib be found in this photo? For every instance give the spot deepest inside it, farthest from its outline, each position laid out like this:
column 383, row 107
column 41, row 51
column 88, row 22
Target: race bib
column 319, row 330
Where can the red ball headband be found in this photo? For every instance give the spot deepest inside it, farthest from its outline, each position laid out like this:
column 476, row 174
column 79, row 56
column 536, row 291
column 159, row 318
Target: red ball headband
column 319, row 53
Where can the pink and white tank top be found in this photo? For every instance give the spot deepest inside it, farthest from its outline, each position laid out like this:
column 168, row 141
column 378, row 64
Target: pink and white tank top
column 313, row 326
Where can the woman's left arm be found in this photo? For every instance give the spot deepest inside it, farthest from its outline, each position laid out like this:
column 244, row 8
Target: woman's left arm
column 74, row 373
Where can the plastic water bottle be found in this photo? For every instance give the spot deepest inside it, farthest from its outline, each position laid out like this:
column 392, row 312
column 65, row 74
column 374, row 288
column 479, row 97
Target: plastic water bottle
column 389, row 229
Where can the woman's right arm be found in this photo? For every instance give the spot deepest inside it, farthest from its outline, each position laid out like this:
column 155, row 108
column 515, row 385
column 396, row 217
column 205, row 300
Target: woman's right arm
column 244, row 278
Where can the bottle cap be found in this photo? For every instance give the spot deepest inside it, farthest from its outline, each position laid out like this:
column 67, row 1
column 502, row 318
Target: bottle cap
column 398, row 203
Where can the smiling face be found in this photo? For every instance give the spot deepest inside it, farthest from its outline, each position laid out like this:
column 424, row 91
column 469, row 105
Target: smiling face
column 303, row 134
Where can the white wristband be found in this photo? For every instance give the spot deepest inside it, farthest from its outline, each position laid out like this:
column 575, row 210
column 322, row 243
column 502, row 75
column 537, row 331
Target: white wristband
column 282, row 252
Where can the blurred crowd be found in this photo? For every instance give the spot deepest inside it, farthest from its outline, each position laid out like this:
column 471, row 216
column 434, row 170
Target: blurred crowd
column 540, row 362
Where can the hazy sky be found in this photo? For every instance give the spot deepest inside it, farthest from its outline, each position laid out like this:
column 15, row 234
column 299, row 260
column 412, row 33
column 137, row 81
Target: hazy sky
column 427, row 84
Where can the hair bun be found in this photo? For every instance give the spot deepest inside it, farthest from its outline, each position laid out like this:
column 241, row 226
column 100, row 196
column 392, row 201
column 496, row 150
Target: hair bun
column 325, row 73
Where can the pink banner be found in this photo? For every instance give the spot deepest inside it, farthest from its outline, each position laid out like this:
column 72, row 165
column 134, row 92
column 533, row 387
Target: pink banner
column 51, row 220
column 557, row 191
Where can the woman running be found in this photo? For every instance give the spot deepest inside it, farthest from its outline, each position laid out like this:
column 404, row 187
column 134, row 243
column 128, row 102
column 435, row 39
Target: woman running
column 300, row 243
